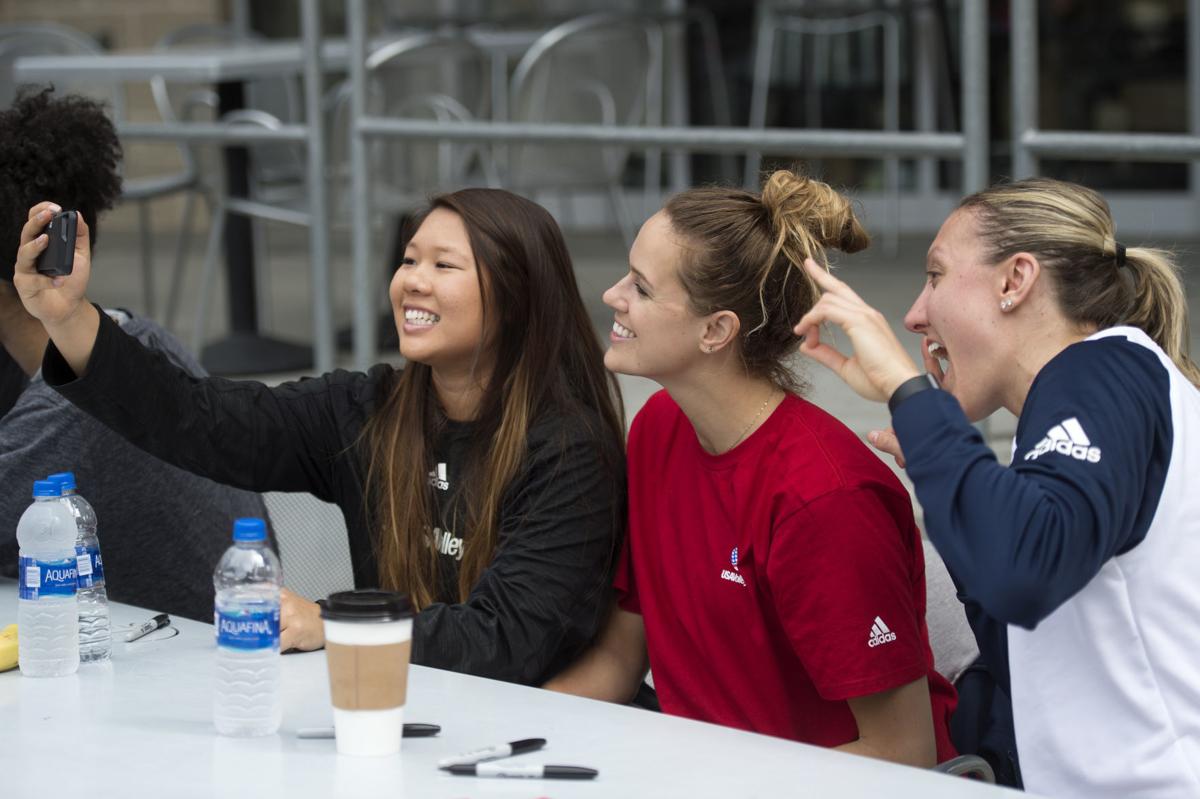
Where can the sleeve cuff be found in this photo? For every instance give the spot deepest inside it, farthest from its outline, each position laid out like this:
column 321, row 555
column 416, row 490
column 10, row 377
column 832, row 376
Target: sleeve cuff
column 925, row 416
column 875, row 684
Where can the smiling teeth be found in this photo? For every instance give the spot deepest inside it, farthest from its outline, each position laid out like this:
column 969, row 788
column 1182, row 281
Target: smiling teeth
column 622, row 331
column 420, row 317
column 938, row 351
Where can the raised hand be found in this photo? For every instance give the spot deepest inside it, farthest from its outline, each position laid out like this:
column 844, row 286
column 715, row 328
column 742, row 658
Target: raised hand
column 879, row 363
column 55, row 300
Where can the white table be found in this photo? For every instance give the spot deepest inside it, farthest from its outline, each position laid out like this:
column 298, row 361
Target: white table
column 141, row 726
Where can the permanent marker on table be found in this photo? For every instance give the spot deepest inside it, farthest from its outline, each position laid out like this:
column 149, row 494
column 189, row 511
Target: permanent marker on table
column 493, row 752
column 147, row 627
column 529, row 772
column 411, row 730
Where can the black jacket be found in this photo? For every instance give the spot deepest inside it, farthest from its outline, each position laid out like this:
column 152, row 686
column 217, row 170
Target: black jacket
column 532, row 611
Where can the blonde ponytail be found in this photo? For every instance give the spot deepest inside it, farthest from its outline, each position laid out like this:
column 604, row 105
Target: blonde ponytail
column 1160, row 305
column 1097, row 283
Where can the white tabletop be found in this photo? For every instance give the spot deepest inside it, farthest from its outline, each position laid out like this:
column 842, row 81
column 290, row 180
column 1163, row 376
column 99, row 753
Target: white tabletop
column 141, row 726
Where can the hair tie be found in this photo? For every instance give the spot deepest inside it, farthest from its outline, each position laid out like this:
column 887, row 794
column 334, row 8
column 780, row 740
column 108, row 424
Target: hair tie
column 1120, row 254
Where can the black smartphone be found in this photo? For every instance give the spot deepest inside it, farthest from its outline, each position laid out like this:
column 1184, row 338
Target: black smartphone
column 59, row 257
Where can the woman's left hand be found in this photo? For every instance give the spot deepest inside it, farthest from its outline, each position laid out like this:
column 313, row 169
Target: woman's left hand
column 300, row 625
column 879, row 363
column 886, row 441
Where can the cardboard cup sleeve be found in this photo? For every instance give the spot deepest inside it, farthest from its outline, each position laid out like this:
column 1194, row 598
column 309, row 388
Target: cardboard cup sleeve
column 365, row 677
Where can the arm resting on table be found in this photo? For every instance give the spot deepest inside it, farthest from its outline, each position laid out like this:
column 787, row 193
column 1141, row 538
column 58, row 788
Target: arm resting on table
column 895, row 725
column 615, row 665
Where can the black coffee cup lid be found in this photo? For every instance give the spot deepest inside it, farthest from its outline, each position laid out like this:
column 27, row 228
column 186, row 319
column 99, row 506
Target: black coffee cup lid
column 368, row 605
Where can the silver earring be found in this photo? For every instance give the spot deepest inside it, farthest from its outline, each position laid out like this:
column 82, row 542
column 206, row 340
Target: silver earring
column 710, row 349
column 1006, row 304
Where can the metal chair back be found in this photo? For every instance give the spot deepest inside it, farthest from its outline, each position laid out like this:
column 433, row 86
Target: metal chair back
column 278, row 96
column 47, row 39
column 600, row 69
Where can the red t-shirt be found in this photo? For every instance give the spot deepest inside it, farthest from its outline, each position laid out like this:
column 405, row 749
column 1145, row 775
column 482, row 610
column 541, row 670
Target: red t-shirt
column 776, row 580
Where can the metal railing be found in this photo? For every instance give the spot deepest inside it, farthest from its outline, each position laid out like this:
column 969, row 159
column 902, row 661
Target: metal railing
column 1030, row 143
column 970, row 145
column 311, row 134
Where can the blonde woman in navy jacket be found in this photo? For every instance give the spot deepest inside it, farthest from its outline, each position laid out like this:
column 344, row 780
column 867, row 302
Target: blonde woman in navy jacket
column 1080, row 558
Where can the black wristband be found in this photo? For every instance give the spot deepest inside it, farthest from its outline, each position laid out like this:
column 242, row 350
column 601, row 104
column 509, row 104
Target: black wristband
column 914, row 385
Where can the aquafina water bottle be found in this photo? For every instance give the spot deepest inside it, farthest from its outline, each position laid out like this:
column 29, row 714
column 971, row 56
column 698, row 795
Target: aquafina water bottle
column 95, row 638
column 247, row 582
column 47, row 611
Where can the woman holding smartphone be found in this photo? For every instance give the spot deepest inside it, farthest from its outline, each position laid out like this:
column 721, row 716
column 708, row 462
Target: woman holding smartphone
column 484, row 479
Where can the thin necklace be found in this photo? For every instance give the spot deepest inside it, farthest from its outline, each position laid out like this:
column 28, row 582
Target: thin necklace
column 746, row 429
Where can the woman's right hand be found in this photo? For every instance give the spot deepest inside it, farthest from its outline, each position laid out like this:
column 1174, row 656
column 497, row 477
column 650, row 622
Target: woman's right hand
column 53, row 301
column 879, row 363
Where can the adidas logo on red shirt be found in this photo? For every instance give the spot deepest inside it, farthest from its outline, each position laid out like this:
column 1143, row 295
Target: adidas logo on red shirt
column 880, row 634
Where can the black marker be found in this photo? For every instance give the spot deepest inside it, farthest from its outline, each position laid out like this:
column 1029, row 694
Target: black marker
column 411, row 730
column 147, row 627
column 493, row 752
column 529, row 772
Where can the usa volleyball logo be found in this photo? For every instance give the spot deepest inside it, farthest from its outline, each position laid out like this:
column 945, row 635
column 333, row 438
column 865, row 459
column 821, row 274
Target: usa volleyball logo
column 733, row 576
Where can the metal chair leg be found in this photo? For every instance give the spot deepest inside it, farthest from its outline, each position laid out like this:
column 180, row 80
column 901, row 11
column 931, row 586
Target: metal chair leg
column 621, row 211
column 147, row 248
column 182, row 244
column 207, row 276
column 764, row 51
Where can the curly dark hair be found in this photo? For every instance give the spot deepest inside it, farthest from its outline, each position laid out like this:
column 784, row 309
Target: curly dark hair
column 63, row 149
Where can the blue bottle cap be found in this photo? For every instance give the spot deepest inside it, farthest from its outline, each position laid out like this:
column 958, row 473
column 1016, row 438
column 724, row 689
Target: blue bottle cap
column 65, row 479
column 249, row 529
column 47, row 488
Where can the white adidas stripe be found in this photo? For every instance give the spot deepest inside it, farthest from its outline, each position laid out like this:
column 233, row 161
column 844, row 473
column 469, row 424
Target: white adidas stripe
column 1075, row 431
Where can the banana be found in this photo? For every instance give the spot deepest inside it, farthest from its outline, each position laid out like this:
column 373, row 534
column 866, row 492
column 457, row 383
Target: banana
column 8, row 648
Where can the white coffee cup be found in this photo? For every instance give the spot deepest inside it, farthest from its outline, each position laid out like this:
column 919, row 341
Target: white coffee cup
column 368, row 644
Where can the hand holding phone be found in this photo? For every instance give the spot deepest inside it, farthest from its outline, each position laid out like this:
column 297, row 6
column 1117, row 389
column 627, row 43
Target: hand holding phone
column 59, row 256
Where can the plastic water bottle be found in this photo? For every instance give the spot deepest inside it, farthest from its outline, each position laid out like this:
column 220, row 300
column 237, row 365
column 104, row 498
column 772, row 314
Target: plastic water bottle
column 95, row 638
column 47, row 611
column 247, row 582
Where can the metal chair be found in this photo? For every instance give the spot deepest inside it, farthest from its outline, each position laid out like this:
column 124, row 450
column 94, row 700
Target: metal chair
column 440, row 76
column 600, row 69
column 50, row 39
column 954, row 649
column 312, row 544
column 292, row 209
column 277, row 170
column 802, row 19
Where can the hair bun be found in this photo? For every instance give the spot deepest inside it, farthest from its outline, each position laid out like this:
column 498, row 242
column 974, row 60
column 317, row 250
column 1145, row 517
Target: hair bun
column 809, row 217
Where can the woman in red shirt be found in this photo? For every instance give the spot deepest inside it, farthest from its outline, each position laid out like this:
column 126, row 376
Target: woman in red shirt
column 773, row 575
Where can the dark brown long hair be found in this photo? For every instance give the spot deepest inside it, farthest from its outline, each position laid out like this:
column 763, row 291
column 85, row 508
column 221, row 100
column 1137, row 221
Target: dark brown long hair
column 546, row 357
